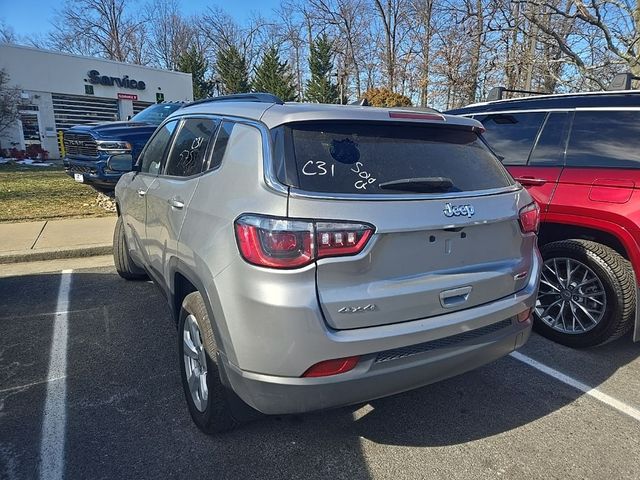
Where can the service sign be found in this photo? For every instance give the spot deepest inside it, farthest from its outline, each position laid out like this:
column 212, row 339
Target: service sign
column 125, row 82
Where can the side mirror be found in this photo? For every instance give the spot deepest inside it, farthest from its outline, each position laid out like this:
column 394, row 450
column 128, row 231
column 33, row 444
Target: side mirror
column 129, row 117
column 120, row 163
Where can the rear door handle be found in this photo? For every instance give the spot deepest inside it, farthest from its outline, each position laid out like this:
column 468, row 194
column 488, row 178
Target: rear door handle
column 531, row 181
column 142, row 193
column 176, row 203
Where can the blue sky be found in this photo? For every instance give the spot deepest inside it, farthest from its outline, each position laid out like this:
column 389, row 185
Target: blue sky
column 29, row 17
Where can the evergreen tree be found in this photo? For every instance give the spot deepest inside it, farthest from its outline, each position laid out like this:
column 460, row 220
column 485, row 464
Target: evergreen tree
column 319, row 87
column 273, row 76
column 233, row 71
column 192, row 61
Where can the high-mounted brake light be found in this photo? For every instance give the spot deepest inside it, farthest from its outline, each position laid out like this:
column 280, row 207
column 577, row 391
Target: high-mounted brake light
column 283, row 243
column 530, row 218
column 331, row 367
column 417, row 115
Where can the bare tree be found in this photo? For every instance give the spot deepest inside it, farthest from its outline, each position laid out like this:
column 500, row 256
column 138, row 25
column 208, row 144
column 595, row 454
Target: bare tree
column 350, row 19
column 7, row 33
column 223, row 32
column 98, row 27
column 9, row 101
column 423, row 31
column 392, row 14
column 288, row 32
column 169, row 36
column 606, row 33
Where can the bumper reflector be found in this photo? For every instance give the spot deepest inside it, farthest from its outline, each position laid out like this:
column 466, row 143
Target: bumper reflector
column 331, row 367
column 524, row 316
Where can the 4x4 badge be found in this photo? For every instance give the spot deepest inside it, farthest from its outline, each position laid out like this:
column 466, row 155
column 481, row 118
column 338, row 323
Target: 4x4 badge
column 358, row 309
column 458, row 210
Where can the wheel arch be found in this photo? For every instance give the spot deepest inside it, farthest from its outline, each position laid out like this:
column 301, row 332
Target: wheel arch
column 183, row 281
column 552, row 232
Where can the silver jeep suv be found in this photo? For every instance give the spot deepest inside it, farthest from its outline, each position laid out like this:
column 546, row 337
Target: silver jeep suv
column 315, row 256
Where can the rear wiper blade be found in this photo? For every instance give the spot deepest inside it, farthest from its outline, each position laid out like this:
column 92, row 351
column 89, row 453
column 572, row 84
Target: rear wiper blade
column 421, row 185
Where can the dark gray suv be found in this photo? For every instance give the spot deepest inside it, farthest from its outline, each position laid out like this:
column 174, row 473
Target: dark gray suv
column 315, row 256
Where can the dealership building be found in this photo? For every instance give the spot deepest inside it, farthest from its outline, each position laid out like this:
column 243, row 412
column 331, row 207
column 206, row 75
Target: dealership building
column 58, row 90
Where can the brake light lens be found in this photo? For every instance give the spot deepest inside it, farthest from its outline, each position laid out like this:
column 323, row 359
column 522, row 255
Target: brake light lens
column 530, row 218
column 416, row 115
column 283, row 243
column 331, row 367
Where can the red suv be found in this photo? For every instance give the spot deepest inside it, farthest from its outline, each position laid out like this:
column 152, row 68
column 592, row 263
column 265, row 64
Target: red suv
column 579, row 157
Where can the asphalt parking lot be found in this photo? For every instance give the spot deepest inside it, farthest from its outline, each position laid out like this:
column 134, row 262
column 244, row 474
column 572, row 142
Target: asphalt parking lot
column 90, row 388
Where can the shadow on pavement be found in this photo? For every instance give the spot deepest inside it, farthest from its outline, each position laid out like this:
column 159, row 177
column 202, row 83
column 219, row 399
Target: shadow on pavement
column 126, row 416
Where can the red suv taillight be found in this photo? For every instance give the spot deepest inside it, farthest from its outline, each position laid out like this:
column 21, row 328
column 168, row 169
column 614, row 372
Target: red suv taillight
column 283, row 243
column 530, row 218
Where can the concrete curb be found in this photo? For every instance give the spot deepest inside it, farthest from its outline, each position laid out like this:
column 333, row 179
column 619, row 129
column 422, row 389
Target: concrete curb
column 55, row 253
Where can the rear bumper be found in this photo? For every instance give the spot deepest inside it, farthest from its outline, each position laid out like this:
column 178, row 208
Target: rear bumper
column 276, row 333
column 373, row 378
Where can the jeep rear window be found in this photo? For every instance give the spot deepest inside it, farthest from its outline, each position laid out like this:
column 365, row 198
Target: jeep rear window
column 360, row 157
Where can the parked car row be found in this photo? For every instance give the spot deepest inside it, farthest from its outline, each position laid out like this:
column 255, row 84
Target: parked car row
column 315, row 256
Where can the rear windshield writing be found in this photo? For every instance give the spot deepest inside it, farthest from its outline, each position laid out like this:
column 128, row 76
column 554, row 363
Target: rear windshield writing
column 358, row 157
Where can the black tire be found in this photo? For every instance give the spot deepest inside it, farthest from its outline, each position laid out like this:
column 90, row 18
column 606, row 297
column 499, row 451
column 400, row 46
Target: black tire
column 618, row 283
column 224, row 410
column 125, row 266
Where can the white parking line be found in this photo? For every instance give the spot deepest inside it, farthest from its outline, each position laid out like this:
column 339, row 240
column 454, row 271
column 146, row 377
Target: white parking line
column 55, row 409
column 583, row 387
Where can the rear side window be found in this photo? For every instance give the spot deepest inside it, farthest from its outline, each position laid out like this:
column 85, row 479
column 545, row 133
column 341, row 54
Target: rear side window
column 220, row 146
column 389, row 158
column 188, row 153
column 512, row 135
column 605, row 139
column 155, row 150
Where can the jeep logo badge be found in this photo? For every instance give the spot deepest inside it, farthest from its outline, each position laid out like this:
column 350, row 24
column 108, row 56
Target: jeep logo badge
column 458, row 210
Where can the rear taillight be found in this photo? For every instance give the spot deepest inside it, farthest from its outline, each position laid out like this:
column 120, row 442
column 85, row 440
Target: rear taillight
column 530, row 218
column 282, row 243
column 331, row 367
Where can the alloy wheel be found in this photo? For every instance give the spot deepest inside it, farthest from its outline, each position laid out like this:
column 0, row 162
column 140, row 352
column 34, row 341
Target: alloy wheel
column 195, row 363
column 572, row 298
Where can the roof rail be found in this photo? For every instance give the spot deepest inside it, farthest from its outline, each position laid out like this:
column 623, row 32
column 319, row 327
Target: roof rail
column 496, row 93
column 622, row 81
column 242, row 97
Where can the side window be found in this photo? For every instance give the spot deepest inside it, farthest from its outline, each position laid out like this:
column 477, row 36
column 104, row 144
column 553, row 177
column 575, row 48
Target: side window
column 222, row 139
column 549, row 150
column 189, row 150
column 156, row 148
column 605, row 139
column 511, row 135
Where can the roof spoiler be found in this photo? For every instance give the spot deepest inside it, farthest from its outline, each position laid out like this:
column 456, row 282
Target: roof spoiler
column 497, row 93
column 242, row 97
column 622, row 81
